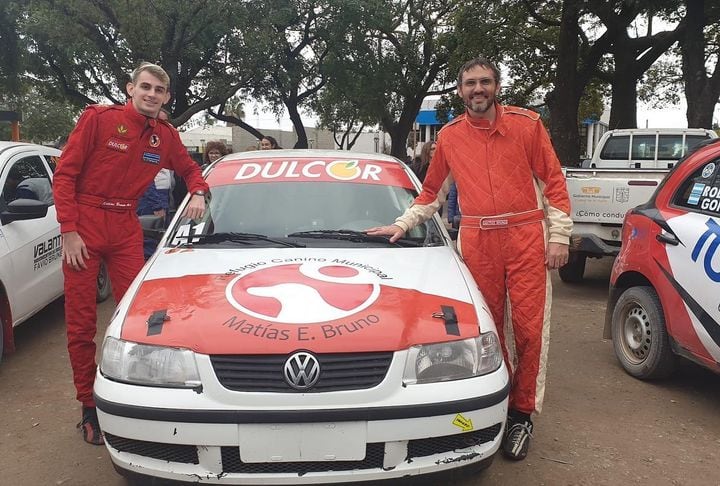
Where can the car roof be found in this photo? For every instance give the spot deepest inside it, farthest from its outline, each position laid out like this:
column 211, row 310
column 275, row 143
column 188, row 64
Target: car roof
column 6, row 146
column 306, row 153
column 662, row 131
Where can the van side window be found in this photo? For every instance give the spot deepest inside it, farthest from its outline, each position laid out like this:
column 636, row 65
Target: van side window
column 691, row 141
column 643, row 147
column 670, row 147
column 616, row 148
column 700, row 193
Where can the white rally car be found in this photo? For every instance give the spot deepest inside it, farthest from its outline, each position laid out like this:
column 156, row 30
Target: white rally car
column 274, row 342
column 30, row 244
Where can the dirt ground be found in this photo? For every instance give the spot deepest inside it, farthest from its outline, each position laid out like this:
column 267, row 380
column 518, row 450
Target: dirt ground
column 599, row 426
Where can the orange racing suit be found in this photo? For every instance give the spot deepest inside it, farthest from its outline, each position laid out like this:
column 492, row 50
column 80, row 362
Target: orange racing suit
column 513, row 199
column 111, row 157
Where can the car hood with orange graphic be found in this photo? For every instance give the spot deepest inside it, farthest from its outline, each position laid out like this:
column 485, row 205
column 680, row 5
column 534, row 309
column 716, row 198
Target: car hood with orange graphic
column 229, row 301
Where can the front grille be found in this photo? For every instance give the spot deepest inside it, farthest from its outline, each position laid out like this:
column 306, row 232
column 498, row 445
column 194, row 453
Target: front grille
column 449, row 443
column 264, row 373
column 186, row 454
column 374, row 456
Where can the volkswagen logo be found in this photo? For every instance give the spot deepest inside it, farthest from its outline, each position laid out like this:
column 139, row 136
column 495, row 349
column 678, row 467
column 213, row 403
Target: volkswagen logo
column 302, row 371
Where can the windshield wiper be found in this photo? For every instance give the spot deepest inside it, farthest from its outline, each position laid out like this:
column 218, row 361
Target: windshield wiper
column 245, row 238
column 352, row 235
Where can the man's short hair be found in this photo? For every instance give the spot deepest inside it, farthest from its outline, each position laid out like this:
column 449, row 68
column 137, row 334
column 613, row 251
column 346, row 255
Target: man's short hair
column 153, row 69
column 475, row 62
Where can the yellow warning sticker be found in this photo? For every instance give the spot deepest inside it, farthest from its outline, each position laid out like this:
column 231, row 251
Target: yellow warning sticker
column 463, row 422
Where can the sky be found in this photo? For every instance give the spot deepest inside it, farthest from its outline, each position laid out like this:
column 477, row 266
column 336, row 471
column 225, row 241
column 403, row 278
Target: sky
column 670, row 117
column 673, row 117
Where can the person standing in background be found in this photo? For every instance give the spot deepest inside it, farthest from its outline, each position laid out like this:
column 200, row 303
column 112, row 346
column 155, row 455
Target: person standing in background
column 269, row 143
column 420, row 166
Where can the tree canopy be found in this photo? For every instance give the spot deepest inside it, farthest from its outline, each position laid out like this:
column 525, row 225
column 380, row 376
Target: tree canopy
column 367, row 63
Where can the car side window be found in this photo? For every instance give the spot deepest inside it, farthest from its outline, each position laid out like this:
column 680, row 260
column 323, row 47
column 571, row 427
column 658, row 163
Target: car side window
column 643, row 147
column 670, row 147
column 616, row 148
column 27, row 178
column 700, row 192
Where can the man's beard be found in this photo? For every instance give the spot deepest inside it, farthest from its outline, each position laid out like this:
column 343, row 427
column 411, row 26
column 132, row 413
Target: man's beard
column 480, row 107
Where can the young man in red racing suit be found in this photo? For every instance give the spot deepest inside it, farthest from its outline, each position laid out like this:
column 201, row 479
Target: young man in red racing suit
column 110, row 159
column 515, row 225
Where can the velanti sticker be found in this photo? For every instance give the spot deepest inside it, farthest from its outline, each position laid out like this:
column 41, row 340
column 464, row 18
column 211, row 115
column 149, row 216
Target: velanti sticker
column 708, row 170
column 309, row 170
column 117, row 145
column 151, row 158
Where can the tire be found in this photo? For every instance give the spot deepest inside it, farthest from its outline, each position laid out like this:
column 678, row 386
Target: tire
column 574, row 269
column 2, row 338
column 103, row 284
column 639, row 335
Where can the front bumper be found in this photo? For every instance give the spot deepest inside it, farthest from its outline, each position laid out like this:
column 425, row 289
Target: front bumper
column 222, row 437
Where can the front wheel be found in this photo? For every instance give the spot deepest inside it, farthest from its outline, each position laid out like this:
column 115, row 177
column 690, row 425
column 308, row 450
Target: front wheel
column 574, row 269
column 639, row 335
column 103, row 284
column 2, row 338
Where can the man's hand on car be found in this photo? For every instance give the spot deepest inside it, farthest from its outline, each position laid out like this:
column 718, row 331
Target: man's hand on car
column 394, row 231
column 74, row 251
column 195, row 208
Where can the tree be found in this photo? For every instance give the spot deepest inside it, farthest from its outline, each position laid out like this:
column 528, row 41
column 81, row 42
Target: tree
column 297, row 36
column 341, row 115
column 632, row 57
column 91, row 61
column 400, row 53
column 699, row 46
column 46, row 119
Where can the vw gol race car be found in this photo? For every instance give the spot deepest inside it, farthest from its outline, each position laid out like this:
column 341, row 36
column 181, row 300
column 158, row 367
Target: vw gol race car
column 274, row 342
column 665, row 284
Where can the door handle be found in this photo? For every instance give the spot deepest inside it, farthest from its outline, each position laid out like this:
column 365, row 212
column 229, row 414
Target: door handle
column 667, row 238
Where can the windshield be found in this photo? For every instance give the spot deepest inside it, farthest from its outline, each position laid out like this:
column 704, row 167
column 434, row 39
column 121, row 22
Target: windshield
column 311, row 214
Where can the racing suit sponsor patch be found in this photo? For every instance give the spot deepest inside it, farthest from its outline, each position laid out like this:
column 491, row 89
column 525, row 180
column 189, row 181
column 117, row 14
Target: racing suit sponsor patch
column 151, row 158
column 117, row 145
column 154, row 140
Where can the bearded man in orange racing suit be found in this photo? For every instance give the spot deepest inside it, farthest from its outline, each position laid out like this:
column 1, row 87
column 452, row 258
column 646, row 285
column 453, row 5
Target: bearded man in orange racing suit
column 111, row 157
column 515, row 225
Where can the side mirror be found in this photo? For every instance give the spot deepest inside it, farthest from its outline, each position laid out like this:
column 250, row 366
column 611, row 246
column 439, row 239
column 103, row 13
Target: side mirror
column 153, row 226
column 23, row 209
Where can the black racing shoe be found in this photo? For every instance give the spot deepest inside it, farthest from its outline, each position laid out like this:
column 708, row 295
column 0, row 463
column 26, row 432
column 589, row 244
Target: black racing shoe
column 90, row 427
column 517, row 439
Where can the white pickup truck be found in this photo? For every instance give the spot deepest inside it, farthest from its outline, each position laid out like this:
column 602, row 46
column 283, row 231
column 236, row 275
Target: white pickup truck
column 626, row 168
column 599, row 199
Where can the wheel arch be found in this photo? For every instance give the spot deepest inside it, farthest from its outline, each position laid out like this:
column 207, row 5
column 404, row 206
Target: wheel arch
column 7, row 322
column 623, row 282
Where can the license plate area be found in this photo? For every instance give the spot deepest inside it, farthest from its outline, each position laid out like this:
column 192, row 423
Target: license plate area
column 312, row 442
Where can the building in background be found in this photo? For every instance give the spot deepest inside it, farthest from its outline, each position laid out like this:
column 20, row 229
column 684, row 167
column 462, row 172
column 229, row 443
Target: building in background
column 196, row 138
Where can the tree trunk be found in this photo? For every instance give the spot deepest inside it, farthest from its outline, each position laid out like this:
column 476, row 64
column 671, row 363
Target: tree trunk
column 701, row 93
column 623, row 110
column 564, row 99
column 302, row 140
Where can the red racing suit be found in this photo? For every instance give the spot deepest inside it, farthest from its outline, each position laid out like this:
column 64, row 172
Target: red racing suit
column 111, row 158
column 513, row 199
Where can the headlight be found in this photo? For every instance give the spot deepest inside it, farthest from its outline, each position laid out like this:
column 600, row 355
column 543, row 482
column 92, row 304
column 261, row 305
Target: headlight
column 142, row 364
column 453, row 360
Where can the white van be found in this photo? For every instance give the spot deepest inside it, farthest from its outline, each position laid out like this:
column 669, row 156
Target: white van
column 645, row 148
